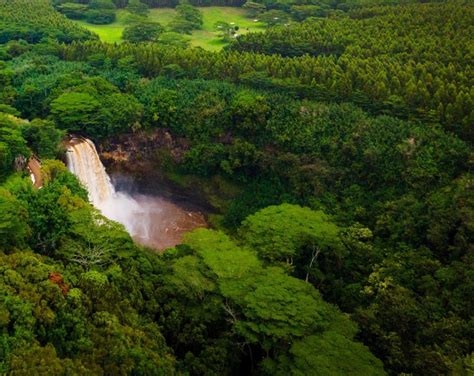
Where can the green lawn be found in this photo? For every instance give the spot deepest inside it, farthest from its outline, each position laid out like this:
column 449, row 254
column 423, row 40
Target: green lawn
column 206, row 38
column 162, row 15
column 109, row 33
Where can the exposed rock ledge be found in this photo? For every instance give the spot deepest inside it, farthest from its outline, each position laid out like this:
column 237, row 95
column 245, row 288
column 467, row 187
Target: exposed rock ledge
column 147, row 156
column 142, row 147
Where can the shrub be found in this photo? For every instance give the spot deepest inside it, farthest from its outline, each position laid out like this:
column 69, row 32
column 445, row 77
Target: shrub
column 73, row 10
column 100, row 16
column 142, row 32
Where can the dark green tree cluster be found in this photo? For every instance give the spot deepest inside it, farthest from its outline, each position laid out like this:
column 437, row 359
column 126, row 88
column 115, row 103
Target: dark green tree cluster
column 99, row 12
column 299, row 10
column 188, row 18
column 32, row 22
column 142, row 32
column 140, row 29
column 309, row 7
column 253, row 9
column 77, row 296
column 226, row 31
column 370, row 210
column 138, row 8
column 197, row 3
column 408, row 77
column 72, row 291
column 72, row 284
column 401, row 201
column 401, row 305
column 238, row 309
column 371, row 32
column 96, row 108
column 174, row 3
column 12, row 144
column 419, row 56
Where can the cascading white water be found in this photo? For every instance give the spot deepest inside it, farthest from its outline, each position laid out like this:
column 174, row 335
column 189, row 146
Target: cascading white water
column 84, row 162
column 151, row 220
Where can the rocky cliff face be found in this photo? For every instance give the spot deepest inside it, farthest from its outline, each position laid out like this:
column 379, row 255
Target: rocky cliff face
column 150, row 160
column 142, row 149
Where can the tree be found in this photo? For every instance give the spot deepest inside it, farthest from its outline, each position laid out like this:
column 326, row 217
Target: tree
column 125, row 113
column 274, row 314
column 182, row 26
column 326, row 355
column 43, row 360
column 250, row 112
column 274, row 17
column 188, row 279
column 191, row 14
column 277, row 233
column 48, row 217
column 13, row 221
column 120, row 3
column 101, row 12
column 43, row 137
column 101, row 4
column 301, row 12
column 74, row 11
column 12, row 144
column 100, row 16
column 172, row 39
column 138, row 8
column 76, row 112
column 7, row 109
column 142, row 32
column 188, row 18
column 253, row 9
column 276, row 308
column 226, row 31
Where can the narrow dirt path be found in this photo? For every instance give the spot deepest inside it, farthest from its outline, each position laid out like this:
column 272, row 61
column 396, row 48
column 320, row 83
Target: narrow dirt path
column 34, row 167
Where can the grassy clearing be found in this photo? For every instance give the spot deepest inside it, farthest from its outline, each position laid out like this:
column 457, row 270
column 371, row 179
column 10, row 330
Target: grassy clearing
column 206, row 38
column 109, row 33
column 162, row 15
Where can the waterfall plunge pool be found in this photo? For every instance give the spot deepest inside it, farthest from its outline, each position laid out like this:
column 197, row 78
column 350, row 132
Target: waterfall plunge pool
column 152, row 220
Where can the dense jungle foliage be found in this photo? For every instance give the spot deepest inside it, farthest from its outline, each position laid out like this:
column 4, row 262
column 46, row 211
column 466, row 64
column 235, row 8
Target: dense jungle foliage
column 33, row 21
column 271, row 4
column 347, row 248
column 419, row 76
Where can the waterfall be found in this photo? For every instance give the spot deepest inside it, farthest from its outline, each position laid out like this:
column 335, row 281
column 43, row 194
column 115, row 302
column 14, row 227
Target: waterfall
column 150, row 220
column 84, row 162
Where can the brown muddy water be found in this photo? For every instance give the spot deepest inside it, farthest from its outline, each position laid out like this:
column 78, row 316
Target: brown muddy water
column 159, row 223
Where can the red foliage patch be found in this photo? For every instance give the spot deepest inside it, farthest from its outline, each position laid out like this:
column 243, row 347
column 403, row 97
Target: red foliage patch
column 57, row 279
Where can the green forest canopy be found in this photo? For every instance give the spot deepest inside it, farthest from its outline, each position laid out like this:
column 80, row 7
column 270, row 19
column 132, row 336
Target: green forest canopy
column 346, row 246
